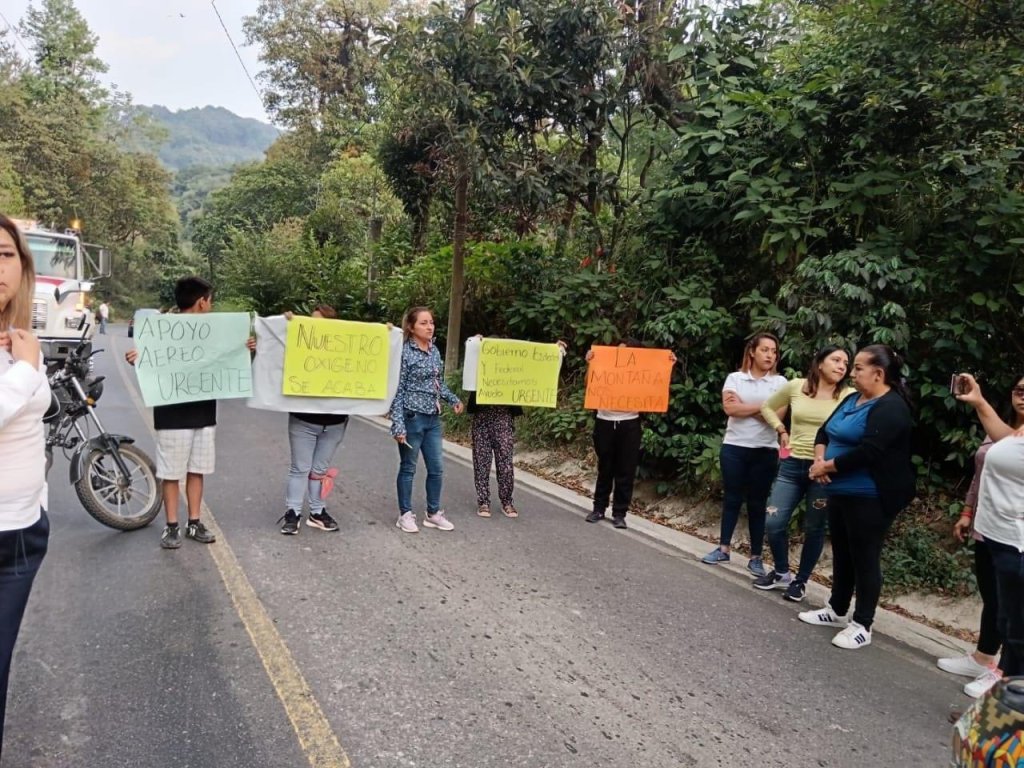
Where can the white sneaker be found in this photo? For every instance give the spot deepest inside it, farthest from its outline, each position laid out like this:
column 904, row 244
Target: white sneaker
column 965, row 665
column 407, row 523
column 438, row 520
column 978, row 688
column 823, row 617
column 853, row 637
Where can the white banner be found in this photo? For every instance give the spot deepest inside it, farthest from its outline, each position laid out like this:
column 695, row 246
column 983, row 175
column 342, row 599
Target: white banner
column 470, row 360
column 268, row 373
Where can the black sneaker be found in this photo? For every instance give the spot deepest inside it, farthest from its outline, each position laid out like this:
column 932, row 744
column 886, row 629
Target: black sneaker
column 773, row 580
column 170, row 538
column 322, row 521
column 196, row 531
column 291, row 523
column 595, row 517
column 795, row 591
column 619, row 522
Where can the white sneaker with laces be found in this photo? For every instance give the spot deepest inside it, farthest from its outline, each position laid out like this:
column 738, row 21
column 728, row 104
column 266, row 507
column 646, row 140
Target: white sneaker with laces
column 853, row 637
column 978, row 688
column 407, row 523
column 438, row 520
column 823, row 617
column 965, row 665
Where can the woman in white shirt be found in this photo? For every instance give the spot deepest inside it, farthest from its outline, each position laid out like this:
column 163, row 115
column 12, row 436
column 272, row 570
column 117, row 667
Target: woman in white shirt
column 750, row 448
column 24, row 398
column 999, row 519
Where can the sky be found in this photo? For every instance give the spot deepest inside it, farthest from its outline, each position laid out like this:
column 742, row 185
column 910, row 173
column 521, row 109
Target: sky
column 170, row 52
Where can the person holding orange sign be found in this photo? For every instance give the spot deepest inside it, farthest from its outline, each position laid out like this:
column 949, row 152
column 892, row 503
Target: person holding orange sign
column 618, row 433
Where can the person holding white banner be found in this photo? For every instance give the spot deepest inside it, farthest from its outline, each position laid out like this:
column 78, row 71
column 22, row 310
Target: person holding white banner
column 416, row 420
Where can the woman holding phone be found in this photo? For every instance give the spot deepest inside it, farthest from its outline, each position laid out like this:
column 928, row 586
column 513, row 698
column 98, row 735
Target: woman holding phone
column 810, row 401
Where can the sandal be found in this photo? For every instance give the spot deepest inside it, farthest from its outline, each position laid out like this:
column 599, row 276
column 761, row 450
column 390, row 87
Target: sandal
column 510, row 511
column 484, row 510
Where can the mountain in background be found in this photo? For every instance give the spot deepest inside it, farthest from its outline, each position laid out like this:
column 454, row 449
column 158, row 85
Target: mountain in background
column 209, row 136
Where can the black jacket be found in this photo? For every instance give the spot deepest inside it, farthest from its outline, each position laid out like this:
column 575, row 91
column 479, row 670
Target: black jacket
column 884, row 451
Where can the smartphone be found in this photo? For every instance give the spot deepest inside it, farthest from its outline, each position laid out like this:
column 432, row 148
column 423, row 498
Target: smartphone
column 958, row 385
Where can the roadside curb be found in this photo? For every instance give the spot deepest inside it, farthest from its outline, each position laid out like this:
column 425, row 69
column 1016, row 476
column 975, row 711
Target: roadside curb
column 889, row 623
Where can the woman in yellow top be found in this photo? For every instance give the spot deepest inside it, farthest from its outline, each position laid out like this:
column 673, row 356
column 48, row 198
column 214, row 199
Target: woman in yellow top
column 810, row 402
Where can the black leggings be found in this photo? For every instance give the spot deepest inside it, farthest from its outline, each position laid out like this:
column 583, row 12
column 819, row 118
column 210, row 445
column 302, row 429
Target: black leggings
column 858, row 528
column 988, row 632
column 21, row 553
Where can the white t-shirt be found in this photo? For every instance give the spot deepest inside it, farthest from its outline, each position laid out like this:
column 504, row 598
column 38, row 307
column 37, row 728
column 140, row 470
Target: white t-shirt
column 750, row 431
column 1000, row 513
column 617, row 415
column 24, row 398
column 104, row 310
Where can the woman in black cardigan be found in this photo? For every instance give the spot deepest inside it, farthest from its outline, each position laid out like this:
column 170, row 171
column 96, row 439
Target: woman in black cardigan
column 862, row 456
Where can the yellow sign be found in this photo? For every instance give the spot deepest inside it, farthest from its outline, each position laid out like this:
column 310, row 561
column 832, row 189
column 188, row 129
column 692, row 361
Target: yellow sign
column 513, row 372
column 335, row 358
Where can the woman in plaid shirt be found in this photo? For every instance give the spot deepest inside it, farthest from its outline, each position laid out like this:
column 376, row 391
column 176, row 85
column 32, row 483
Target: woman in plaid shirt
column 416, row 419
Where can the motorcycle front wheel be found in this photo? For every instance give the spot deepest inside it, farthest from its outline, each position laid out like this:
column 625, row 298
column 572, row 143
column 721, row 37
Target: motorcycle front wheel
column 124, row 503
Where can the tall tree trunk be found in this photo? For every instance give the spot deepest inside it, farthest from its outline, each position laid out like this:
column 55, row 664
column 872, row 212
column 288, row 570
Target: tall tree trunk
column 451, row 355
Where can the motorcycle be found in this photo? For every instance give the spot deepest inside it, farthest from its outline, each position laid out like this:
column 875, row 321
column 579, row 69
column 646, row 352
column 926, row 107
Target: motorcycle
column 115, row 480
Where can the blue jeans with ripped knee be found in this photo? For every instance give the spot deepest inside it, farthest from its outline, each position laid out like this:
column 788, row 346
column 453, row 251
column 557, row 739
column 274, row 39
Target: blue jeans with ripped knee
column 791, row 485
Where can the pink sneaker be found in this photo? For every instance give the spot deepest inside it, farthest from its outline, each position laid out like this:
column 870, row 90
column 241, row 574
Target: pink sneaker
column 438, row 520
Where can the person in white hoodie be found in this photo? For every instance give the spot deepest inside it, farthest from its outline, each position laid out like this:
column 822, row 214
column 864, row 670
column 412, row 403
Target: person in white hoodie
column 24, row 398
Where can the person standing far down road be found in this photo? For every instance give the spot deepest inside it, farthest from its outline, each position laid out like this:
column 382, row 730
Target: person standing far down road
column 981, row 663
column 998, row 518
column 810, row 401
column 313, row 439
column 104, row 316
column 617, row 439
column 185, row 436
column 24, row 398
column 750, row 448
column 862, row 458
column 416, row 420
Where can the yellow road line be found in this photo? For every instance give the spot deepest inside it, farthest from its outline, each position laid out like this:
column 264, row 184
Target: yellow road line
column 317, row 739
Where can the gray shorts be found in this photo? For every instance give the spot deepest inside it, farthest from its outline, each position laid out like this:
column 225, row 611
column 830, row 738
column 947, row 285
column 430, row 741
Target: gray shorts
column 182, row 451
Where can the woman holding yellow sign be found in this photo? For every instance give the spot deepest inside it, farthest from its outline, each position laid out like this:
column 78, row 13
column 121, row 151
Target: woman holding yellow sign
column 416, row 420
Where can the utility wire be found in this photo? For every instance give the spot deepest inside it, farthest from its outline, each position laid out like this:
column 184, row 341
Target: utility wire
column 235, row 49
column 16, row 35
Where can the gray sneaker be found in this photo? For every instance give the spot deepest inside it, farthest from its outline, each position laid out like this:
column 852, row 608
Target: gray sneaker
column 196, row 531
column 773, row 580
column 438, row 520
column 407, row 523
column 171, row 537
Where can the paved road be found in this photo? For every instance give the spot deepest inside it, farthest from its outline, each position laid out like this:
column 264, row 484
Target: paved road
column 537, row 643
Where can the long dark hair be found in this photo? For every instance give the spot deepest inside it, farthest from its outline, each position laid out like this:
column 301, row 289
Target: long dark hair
column 883, row 356
column 814, row 376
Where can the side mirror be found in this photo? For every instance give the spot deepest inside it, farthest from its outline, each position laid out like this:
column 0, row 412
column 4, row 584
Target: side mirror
column 98, row 259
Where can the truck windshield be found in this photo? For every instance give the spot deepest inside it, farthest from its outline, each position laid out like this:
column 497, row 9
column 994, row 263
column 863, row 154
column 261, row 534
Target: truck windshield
column 54, row 256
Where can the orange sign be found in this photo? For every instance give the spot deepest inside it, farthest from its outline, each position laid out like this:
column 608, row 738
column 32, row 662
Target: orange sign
column 629, row 379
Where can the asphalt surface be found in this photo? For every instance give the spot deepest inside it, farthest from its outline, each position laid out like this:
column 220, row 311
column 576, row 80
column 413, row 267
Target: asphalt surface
column 538, row 642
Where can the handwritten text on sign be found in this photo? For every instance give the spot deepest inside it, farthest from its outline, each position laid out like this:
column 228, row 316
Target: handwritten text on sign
column 335, row 358
column 189, row 357
column 629, row 379
column 513, row 372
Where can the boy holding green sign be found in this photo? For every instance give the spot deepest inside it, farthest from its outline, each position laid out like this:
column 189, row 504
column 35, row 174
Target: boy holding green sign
column 185, row 436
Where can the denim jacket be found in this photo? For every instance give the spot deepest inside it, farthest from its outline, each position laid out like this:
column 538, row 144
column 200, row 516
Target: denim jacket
column 421, row 386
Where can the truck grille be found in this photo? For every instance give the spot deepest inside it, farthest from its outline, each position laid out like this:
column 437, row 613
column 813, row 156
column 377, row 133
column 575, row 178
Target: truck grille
column 38, row 315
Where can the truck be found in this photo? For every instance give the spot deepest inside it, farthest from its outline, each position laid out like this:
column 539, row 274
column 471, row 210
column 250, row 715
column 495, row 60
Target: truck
column 66, row 268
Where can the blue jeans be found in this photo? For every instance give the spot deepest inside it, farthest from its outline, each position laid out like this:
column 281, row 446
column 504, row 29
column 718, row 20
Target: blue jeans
column 746, row 476
column 21, row 553
column 422, row 433
column 313, row 447
column 791, row 485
